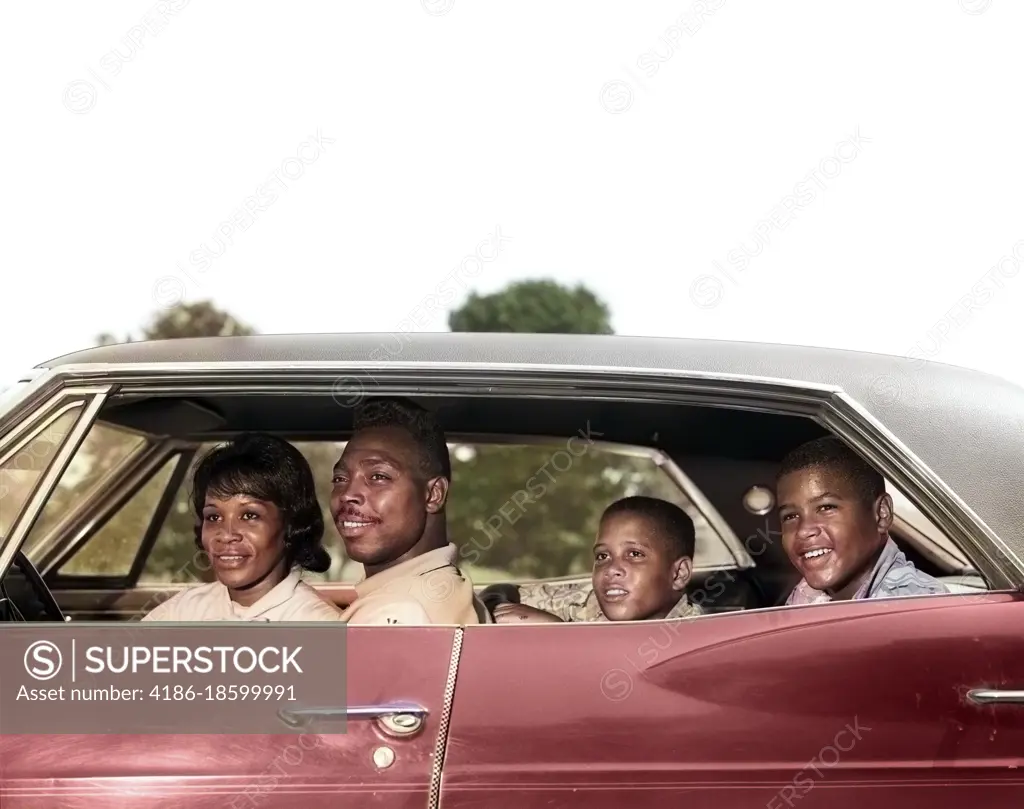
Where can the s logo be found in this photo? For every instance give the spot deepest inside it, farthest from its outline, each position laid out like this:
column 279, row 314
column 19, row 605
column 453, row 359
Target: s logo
column 43, row 660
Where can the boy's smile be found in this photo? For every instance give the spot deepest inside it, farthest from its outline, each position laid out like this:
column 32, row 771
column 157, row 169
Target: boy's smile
column 615, row 593
column 830, row 534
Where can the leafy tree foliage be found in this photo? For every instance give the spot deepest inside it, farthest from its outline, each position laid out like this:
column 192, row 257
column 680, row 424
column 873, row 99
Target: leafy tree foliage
column 200, row 319
column 534, row 306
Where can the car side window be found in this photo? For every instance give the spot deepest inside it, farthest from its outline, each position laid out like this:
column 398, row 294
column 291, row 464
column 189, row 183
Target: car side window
column 111, row 551
column 104, row 449
column 521, row 512
column 20, row 472
column 517, row 511
column 174, row 557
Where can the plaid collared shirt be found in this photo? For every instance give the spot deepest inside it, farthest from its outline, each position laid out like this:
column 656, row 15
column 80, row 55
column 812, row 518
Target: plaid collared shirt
column 893, row 575
column 577, row 601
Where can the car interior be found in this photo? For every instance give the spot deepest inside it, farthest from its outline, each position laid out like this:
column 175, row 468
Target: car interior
column 107, row 544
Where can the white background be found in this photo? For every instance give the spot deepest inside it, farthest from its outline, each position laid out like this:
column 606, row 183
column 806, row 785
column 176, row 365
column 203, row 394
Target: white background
column 451, row 118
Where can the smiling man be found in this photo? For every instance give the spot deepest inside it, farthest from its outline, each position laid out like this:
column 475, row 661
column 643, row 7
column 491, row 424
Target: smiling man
column 390, row 487
column 835, row 517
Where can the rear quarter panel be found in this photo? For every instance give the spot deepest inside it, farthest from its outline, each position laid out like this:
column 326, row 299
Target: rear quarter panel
column 833, row 705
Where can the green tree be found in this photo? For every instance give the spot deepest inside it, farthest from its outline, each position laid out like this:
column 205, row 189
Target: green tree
column 534, row 307
column 200, row 319
column 551, row 533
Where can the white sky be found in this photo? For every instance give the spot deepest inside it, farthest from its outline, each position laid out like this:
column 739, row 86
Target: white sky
column 443, row 126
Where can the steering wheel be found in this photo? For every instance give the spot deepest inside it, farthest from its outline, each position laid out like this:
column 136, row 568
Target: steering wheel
column 496, row 594
column 48, row 608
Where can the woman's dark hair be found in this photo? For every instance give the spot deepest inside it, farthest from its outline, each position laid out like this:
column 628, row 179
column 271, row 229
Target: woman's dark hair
column 268, row 468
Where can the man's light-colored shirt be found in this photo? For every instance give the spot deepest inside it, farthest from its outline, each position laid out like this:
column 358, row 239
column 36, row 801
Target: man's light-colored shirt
column 290, row 600
column 577, row 601
column 893, row 575
column 427, row 589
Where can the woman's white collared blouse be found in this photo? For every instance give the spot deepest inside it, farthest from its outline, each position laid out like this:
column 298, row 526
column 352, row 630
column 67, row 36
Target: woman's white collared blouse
column 291, row 600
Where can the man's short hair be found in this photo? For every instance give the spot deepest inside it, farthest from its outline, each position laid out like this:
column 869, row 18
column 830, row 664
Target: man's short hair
column 673, row 524
column 418, row 422
column 832, row 454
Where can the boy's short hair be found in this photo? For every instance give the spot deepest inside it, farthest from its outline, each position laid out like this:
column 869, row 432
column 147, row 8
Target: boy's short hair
column 832, row 454
column 418, row 422
column 671, row 522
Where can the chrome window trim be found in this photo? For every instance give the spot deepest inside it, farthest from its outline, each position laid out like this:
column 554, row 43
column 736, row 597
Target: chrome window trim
column 109, row 480
column 741, row 556
column 920, row 531
column 110, row 372
column 35, row 402
column 935, row 552
column 139, row 468
column 829, row 405
column 23, row 433
column 30, row 431
column 25, row 400
column 41, row 492
column 921, row 485
column 10, row 395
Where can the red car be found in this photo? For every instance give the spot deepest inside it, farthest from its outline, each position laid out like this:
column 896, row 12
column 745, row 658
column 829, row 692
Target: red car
column 899, row 702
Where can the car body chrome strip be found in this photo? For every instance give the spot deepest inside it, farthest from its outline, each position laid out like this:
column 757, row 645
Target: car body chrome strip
column 987, row 696
column 441, row 744
column 302, row 717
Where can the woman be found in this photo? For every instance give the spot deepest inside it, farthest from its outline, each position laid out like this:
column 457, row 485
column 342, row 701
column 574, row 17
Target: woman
column 259, row 522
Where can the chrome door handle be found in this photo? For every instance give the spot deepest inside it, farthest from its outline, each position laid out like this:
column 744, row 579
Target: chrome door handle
column 399, row 717
column 988, row 696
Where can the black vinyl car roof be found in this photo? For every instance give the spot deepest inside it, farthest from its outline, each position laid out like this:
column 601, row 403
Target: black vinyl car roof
column 968, row 426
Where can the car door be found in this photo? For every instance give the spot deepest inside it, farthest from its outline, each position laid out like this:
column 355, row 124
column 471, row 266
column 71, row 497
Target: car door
column 378, row 761
column 840, row 705
column 395, row 686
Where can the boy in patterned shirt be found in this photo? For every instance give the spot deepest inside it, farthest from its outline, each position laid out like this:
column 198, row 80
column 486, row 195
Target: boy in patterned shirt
column 643, row 559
